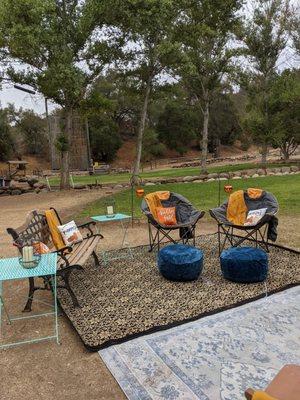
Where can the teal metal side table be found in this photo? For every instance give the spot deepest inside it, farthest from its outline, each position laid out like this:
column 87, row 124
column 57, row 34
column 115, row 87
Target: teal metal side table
column 125, row 221
column 10, row 269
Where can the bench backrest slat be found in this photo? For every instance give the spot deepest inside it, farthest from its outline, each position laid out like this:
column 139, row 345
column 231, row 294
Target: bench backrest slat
column 34, row 229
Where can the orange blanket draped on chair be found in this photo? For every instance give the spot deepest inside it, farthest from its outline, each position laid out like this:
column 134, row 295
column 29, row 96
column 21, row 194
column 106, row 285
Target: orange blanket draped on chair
column 237, row 209
column 154, row 201
column 53, row 222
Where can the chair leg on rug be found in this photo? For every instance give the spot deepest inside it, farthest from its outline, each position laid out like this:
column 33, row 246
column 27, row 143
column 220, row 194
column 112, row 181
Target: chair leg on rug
column 151, row 241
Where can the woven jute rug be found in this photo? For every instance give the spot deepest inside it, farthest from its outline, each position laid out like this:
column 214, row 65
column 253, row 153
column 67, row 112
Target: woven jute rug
column 127, row 298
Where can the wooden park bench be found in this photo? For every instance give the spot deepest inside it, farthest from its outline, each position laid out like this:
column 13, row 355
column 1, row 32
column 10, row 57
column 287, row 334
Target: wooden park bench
column 70, row 258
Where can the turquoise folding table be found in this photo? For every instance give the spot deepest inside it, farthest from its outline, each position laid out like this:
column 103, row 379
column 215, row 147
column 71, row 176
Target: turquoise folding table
column 10, row 269
column 124, row 220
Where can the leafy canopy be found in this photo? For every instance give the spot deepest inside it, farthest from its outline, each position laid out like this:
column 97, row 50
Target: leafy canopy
column 206, row 29
column 58, row 42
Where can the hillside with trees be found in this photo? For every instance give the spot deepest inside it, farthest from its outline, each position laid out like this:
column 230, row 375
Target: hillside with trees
column 162, row 77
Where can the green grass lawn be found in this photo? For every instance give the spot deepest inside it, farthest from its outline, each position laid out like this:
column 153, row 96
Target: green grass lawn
column 205, row 195
column 167, row 173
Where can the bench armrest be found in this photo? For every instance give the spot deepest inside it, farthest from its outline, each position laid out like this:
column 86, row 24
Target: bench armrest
column 63, row 250
column 88, row 227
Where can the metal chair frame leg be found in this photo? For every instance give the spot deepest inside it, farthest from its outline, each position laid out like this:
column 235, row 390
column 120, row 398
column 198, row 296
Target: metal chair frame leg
column 251, row 234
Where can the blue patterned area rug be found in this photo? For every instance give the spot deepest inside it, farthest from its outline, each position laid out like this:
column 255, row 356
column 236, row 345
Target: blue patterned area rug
column 216, row 357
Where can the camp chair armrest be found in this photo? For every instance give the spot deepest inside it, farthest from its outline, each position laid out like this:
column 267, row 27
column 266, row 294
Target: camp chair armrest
column 266, row 218
column 179, row 225
column 151, row 218
column 249, row 394
column 220, row 222
column 199, row 216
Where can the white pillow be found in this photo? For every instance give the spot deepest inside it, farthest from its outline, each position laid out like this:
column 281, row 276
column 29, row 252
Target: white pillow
column 70, row 233
column 254, row 216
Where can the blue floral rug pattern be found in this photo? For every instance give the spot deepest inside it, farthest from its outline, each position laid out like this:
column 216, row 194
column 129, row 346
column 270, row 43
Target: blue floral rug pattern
column 216, row 357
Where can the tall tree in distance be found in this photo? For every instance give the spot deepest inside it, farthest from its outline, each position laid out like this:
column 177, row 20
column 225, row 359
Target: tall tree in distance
column 285, row 108
column 295, row 28
column 205, row 30
column 6, row 140
column 59, row 48
column 265, row 37
column 148, row 27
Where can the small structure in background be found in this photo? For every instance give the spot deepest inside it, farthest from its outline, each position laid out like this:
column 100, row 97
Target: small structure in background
column 98, row 168
column 16, row 167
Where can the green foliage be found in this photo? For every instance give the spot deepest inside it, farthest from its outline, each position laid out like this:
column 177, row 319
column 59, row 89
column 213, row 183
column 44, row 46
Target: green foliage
column 62, row 143
column 52, row 38
column 61, row 47
column 150, row 24
column 265, row 37
column 224, row 122
column 273, row 118
column 105, row 137
column 33, row 130
column 152, row 147
column 295, row 30
column 177, row 126
column 6, row 141
column 284, row 106
column 205, row 32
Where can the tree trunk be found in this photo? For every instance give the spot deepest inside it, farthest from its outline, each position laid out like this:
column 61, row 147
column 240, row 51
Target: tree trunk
column 65, row 170
column 285, row 153
column 141, row 129
column 217, row 148
column 65, row 155
column 204, row 142
column 264, row 153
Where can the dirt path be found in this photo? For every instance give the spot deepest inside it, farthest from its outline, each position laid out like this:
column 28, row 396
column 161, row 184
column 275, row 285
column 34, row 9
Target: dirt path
column 45, row 370
column 15, row 208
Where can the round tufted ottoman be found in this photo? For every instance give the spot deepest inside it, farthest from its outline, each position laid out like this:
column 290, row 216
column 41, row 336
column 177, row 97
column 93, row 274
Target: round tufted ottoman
column 244, row 264
column 179, row 262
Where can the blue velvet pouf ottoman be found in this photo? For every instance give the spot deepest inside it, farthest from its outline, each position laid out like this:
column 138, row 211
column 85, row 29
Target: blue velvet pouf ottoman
column 244, row 264
column 179, row 262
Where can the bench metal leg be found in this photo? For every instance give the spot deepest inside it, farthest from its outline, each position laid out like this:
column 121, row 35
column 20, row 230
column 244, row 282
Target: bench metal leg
column 65, row 275
column 96, row 259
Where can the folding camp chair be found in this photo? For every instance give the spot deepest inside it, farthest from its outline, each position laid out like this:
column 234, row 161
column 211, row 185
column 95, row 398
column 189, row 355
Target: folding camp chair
column 260, row 233
column 187, row 218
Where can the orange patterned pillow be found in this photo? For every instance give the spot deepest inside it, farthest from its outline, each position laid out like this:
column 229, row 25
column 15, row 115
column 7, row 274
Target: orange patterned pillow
column 166, row 215
column 40, row 248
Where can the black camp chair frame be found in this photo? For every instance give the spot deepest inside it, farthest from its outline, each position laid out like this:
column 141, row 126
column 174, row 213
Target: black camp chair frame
column 256, row 233
column 162, row 231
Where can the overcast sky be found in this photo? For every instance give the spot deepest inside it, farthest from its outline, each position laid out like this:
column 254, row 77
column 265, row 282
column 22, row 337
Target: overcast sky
column 21, row 99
